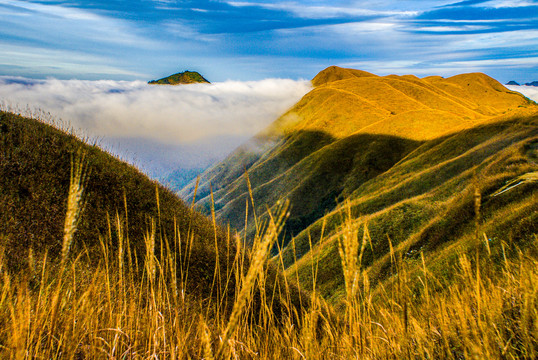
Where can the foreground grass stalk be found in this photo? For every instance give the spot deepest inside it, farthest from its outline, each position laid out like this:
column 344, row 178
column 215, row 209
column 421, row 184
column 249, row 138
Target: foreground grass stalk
column 259, row 257
column 74, row 201
column 67, row 308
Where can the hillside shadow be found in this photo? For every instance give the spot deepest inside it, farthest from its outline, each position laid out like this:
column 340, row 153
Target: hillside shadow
column 313, row 170
column 437, row 181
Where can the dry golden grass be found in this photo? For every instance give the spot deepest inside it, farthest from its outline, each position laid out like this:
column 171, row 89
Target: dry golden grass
column 348, row 101
column 71, row 310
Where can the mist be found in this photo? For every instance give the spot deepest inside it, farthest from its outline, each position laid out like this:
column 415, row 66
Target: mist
column 529, row 91
column 157, row 127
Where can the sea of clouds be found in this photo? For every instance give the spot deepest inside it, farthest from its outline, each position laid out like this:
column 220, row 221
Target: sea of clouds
column 529, row 91
column 162, row 128
column 158, row 127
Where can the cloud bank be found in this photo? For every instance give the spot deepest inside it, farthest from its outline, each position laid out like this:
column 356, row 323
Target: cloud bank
column 529, row 91
column 169, row 114
column 159, row 126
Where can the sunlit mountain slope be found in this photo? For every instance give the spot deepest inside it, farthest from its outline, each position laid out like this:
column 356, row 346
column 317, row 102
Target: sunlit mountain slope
column 352, row 127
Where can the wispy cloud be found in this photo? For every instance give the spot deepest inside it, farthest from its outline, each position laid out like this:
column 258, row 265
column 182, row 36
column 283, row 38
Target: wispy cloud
column 255, row 39
column 323, row 11
column 66, row 23
column 509, row 3
column 446, row 67
column 36, row 61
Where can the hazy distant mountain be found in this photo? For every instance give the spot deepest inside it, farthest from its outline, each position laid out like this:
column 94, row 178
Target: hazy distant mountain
column 532, row 83
column 186, row 77
column 179, row 178
column 159, row 160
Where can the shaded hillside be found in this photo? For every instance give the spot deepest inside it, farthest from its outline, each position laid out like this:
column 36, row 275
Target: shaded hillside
column 35, row 173
column 426, row 204
column 352, row 127
column 186, row 77
column 119, row 203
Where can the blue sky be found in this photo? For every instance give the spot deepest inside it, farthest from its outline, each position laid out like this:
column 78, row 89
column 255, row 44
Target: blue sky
column 253, row 40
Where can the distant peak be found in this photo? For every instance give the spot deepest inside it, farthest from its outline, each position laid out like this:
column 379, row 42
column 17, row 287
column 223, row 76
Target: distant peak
column 512, row 82
column 534, row 83
column 186, row 77
column 335, row 73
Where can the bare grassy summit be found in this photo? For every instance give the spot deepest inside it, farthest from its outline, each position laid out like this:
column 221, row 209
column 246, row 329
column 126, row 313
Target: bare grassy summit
column 348, row 101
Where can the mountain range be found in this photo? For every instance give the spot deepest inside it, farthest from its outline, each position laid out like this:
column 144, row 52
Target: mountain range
column 512, row 82
column 403, row 152
column 401, row 213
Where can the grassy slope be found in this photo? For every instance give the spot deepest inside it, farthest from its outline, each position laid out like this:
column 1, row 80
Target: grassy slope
column 426, row 203
column 354, row 125
column 34, row 181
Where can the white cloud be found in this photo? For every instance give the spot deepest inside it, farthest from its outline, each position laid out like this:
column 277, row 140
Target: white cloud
column 452, row 28
column 529, row 91
column 507, row 3
column 168, row 114
column 66, row 62
column 50, row 21
column 157, row 127
column 322, row 11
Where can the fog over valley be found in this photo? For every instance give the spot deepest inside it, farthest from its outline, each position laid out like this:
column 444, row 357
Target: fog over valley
column 158, row 128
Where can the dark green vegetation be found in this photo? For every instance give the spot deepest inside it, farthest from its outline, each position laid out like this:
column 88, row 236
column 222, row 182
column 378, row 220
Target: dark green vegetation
column 403, row 153
column 35, row 168
column 186, row 77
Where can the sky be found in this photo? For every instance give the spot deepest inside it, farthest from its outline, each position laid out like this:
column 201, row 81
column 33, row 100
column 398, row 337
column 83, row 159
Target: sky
column 85, row 64
column 247, row 40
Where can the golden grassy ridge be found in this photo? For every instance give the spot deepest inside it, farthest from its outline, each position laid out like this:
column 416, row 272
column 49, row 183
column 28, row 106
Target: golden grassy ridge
column 351, row 128
column 406, row 152
column 346, row 104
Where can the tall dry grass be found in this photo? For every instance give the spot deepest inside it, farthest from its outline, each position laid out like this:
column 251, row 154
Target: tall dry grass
column 70, row 310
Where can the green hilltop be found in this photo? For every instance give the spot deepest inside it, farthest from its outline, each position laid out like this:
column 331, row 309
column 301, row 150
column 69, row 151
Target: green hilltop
column 186, row 77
